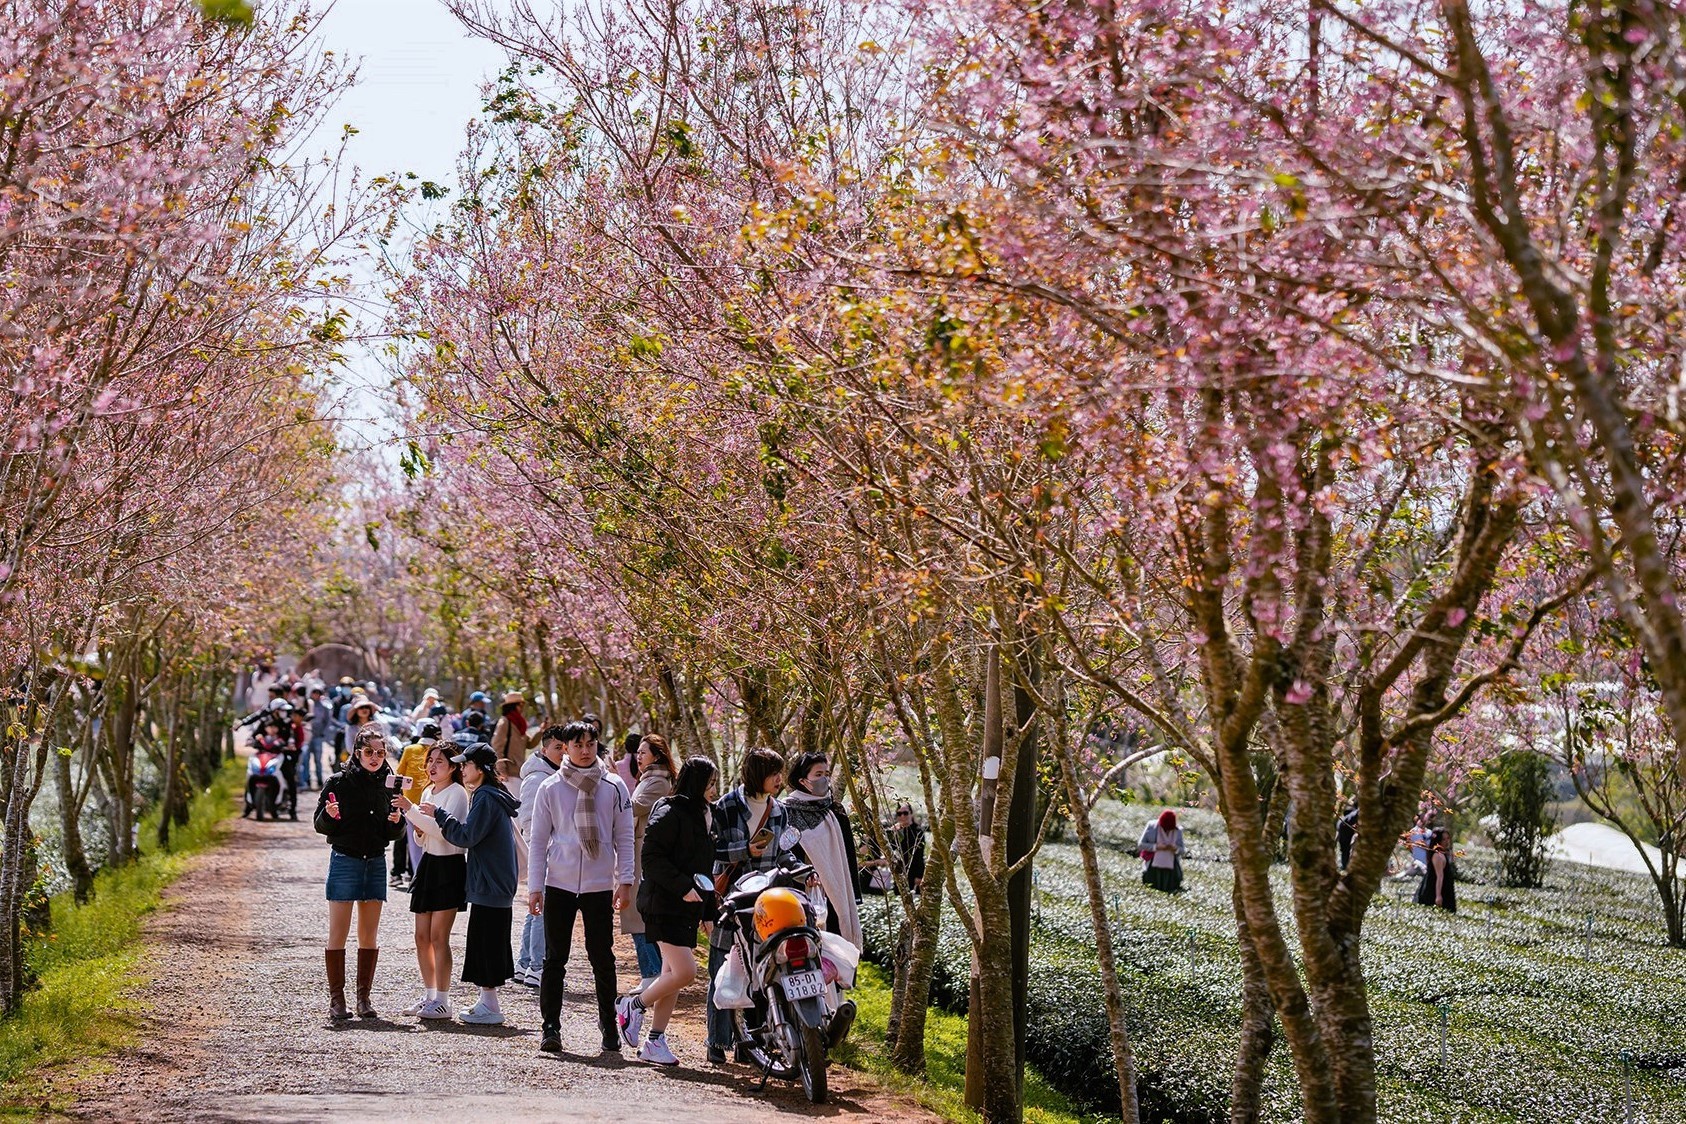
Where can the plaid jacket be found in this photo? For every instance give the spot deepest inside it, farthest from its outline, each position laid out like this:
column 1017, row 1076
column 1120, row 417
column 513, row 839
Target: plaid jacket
column 732, row 832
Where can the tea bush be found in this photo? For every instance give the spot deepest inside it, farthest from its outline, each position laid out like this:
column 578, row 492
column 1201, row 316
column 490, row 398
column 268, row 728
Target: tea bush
column 1537, row 1028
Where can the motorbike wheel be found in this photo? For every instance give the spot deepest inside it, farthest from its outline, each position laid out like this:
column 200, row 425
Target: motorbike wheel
column 810, row 1063
column 263, row 802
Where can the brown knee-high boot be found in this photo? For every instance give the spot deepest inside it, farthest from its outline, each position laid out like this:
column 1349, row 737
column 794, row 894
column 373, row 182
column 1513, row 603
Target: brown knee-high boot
column 366, row 958
column 335, row 958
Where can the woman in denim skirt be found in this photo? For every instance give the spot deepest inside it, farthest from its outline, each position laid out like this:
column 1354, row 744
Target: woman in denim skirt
column 357, row 813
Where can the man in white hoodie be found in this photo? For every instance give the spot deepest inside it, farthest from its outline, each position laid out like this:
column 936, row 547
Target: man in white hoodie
column 537, row 769
column 579, row 863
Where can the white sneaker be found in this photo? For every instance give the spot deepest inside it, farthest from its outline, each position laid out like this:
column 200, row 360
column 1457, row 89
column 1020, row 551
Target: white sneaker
column 528, row 977
column 479, row 1016
column 415, row 1008
column 656, row 1050
column 630, row 1016
column 435, row 1009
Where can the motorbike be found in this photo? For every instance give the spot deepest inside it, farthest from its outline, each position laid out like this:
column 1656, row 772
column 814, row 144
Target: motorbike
column 263, row 782
column 784, row 976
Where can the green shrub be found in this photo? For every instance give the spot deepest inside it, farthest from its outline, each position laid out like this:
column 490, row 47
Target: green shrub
column 1519, row 792
column 85, row 963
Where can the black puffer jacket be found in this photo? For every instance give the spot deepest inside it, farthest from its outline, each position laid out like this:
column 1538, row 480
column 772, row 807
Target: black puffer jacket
column 363, row 829
column 677, row 846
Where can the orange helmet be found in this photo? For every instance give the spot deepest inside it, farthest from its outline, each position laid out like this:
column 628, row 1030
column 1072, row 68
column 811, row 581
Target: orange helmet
column 778, row 909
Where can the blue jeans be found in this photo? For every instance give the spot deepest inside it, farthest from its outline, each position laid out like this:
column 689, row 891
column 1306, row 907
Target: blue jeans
column 649, row 957
column 311, row 762
column 532, row 944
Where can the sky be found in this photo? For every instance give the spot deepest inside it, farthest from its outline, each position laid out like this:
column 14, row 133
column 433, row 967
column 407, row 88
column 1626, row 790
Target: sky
column 419, row 79
column 418, row 86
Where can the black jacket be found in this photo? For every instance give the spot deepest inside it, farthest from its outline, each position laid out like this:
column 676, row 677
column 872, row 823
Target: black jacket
column 363, row 830
column 677, row 847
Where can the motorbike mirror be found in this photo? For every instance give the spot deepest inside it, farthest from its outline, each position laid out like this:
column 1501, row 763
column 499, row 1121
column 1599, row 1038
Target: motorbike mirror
column 789, row 838
column 704, row 883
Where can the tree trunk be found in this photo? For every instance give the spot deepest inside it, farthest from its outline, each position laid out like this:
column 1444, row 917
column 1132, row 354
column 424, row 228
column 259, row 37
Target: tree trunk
column 1123, row 1059
column 174, row 805
column 1000, row 1047
column 547, row 668
column 70, row 830
column 913, row 977
column 1258, row 1027
column 1021, row 838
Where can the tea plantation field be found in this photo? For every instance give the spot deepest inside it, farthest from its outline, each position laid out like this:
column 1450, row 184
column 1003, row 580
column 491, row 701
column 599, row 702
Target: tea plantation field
column 1537, row 1031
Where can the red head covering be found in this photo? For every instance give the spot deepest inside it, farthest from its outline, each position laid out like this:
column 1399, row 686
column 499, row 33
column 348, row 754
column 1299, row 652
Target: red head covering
column 1167, row 820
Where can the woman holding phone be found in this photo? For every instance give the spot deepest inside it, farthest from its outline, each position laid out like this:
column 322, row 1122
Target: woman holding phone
column 440, row 889
column 357, row 814
column 487, row 833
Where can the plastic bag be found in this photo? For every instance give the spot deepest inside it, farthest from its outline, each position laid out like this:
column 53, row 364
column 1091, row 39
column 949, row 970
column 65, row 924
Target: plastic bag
column 731, row 982
column 839, row 952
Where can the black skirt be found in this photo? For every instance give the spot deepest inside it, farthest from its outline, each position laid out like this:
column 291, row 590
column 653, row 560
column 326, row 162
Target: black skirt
column 671, row 928
column 441, row 882
column 488, row 962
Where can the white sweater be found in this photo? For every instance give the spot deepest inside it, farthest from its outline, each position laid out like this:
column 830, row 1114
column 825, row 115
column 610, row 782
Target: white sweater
column 454, row 800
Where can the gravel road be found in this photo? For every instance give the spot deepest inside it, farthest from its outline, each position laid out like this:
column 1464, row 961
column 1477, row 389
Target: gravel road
column 237, row 1028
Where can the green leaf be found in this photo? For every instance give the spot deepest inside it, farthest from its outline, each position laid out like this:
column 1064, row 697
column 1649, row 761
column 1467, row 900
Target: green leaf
column 234, row 13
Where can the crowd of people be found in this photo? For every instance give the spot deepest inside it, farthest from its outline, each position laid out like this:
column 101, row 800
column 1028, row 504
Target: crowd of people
column 484, row 817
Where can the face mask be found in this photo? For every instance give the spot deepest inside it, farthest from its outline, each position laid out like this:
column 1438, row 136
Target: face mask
column 819, row 786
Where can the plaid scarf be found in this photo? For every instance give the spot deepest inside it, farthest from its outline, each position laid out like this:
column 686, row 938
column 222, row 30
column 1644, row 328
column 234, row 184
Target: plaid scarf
column 584, row 782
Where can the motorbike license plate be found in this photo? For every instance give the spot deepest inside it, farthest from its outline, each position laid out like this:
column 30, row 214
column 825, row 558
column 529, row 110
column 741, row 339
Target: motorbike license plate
column 804, row 985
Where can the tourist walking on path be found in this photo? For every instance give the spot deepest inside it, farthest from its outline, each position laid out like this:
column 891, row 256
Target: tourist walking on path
column 412, row 778
column 1162, row 849
column 626, row 764
column 510, row 739
column 749, row 825
column 654, row 769
column 321, row 729
column 424, row 708
column 357, row 814
column 678, row 846
column 488, row 833
column 360, row 716
column 540, row 767
column 579, row 863
column 1439, row 886
column 440, row 889
column 827, row 842
column 477, row 703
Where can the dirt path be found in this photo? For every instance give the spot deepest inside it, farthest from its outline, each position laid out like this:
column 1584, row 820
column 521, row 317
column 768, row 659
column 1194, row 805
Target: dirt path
column 237, row 1026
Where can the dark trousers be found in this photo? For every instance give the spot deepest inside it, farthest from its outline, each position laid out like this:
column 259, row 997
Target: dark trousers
column 597, row 910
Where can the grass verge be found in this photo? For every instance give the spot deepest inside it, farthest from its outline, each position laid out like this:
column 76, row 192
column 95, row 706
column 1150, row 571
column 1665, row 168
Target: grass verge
column 943, row 1088
column 83, row 1005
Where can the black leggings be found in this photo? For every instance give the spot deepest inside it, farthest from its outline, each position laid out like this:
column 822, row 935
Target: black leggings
column 598, row 912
